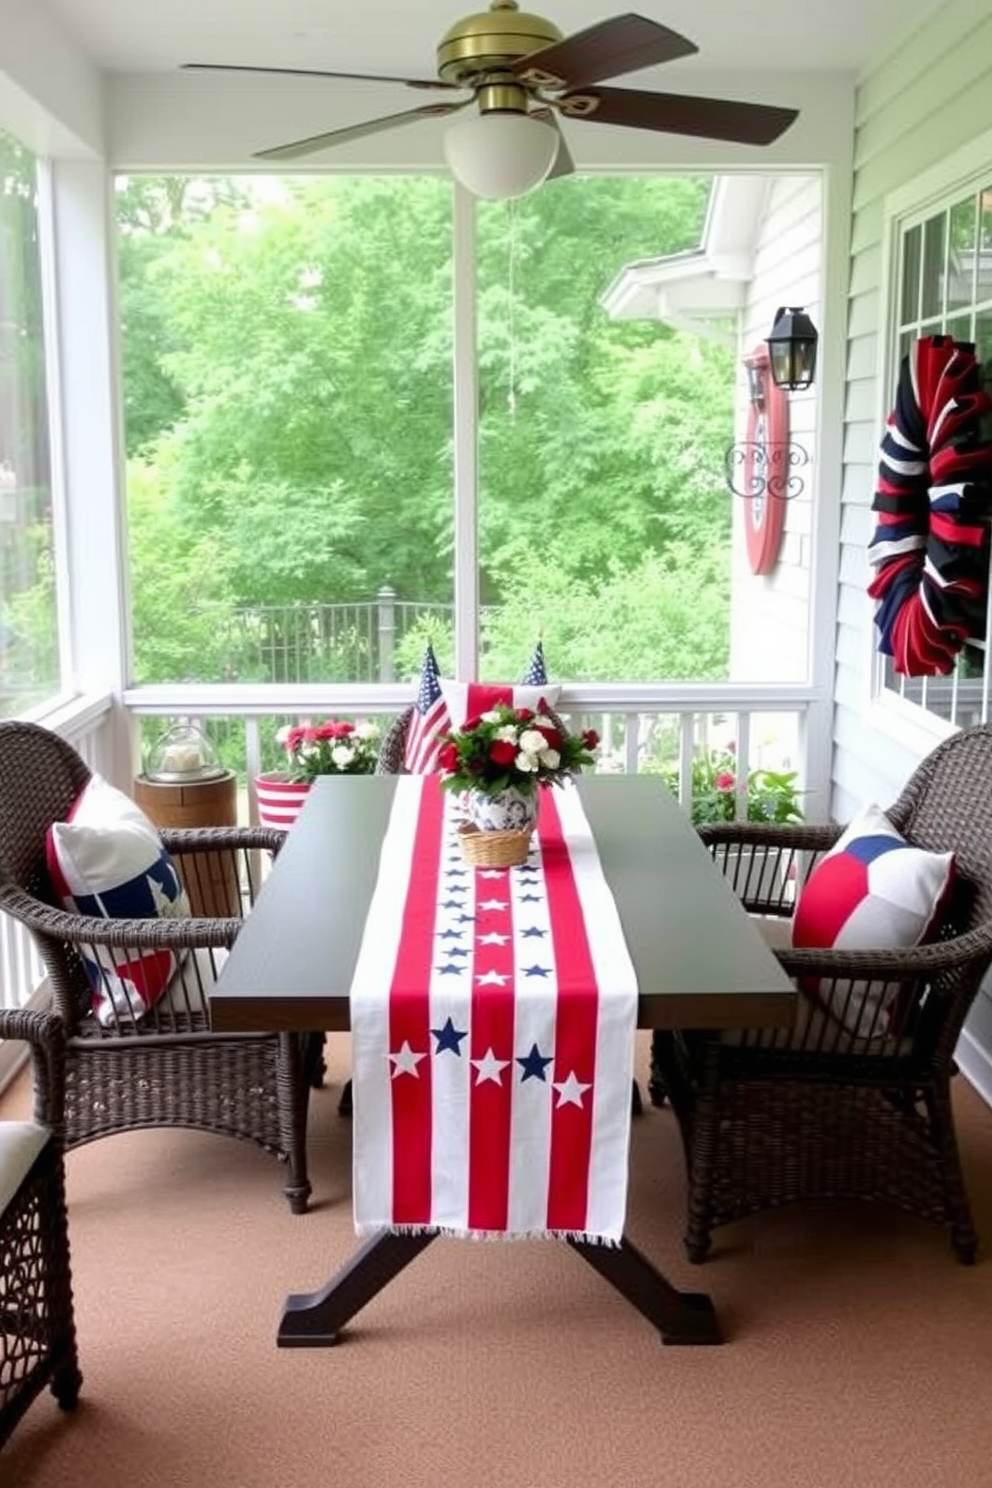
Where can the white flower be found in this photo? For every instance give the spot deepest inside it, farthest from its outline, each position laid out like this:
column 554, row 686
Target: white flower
column 527, row 764
column 532, row 741
column 282, row 735
column 493, row 716
column 366, row 730
column 550, row 759
column 342, row 756
column 508, row 733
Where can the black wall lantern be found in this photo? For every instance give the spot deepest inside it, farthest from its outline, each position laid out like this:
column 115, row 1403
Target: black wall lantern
column 792, row 349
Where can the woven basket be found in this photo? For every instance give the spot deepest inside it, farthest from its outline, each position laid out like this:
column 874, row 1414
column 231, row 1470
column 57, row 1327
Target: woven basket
column 493, row 849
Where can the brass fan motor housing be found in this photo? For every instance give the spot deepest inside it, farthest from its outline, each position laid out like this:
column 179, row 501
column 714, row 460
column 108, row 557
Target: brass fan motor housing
column 483, row 43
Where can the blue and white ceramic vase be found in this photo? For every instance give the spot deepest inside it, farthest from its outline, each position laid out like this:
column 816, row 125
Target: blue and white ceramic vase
column 509, row 810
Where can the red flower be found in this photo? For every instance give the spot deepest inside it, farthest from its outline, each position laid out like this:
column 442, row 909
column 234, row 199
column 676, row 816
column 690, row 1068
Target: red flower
column 724, row 781
column 551, row 734
column 524, row 715
column 590, row 738
column 501, row 752
column 447, row 758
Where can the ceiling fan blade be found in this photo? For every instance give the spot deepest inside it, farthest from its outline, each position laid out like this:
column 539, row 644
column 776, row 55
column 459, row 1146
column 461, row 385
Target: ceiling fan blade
column 675, row 113
column 361, row 77
column 298, row 148
column 607, row 50
column 564, row 164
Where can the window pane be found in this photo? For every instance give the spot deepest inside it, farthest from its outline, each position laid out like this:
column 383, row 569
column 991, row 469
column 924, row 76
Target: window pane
column 605, row 517
column 984, row 287
column 933, row 265
column 961, row 265
column 983, row 345
column 912, row 258
column 287, row 383
column 29, row 658
column 959, row 327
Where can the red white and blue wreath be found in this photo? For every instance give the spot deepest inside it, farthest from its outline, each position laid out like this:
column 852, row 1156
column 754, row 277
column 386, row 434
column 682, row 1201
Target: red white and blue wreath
column 930, row 549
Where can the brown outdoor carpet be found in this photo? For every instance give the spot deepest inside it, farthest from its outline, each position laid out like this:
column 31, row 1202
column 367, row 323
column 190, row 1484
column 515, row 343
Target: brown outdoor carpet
column 858, row 1350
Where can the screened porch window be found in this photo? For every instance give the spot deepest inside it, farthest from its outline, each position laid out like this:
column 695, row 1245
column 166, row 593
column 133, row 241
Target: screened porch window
column 29, row 647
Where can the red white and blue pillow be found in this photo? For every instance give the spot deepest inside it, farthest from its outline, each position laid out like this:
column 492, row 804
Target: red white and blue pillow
column 107, row 860
column 872, row 891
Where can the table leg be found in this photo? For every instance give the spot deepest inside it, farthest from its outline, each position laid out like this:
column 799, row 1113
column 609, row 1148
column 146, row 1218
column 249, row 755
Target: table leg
column 680, row 1317
column 314, row 1319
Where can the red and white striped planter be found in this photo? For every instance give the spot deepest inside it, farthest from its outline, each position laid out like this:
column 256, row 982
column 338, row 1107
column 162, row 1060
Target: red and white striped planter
column 279, row 800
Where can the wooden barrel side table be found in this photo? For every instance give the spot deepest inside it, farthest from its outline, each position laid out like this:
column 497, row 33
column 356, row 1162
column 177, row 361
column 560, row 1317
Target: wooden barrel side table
column 210, row 879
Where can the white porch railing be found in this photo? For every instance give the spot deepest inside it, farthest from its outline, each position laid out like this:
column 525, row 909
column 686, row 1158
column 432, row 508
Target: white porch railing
column 770, row 727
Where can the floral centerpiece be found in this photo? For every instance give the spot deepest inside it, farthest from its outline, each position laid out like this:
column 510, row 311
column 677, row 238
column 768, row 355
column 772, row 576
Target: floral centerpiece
column 500, row 759
column 331, row 748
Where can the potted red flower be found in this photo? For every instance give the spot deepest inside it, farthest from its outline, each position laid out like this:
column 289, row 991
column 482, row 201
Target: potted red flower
column 335, row 747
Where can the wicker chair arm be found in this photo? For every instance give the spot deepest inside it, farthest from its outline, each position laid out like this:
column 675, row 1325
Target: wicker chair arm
column 802, row 837
column 920, row 963
column 217, row 839
column 44, row 1031
column 159, row 934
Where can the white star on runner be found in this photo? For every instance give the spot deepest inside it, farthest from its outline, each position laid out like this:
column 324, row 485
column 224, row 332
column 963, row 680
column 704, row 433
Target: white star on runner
column 571, row 1091
column 493, row 938
column 489, row 1067
column 493, row 904
column 406, row 1061
column 492, row 979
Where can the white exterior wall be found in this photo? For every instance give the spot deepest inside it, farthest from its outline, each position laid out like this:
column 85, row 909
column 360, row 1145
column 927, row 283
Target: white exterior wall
column 931, row 97
column 769, row 613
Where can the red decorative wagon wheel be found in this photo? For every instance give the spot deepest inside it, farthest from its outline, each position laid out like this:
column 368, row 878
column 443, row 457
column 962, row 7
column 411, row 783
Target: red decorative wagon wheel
column 766, row 465
column 930, row 549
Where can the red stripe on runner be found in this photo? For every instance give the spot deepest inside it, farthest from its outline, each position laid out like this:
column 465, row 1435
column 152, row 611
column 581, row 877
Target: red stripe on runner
column 577, row 1019
column 409, row 1017
column 491, row 1100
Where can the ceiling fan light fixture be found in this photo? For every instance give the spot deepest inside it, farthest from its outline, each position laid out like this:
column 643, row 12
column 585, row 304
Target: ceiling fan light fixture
column 501, row 154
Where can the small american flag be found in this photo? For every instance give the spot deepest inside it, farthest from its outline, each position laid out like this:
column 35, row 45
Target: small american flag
column 430, row 718
column 536, row 675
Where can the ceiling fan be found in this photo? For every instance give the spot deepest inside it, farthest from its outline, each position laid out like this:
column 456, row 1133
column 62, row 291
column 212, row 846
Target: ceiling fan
column 522, row 73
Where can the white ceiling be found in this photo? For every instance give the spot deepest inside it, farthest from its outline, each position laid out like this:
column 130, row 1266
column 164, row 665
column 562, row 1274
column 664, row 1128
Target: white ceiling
column 397, row 36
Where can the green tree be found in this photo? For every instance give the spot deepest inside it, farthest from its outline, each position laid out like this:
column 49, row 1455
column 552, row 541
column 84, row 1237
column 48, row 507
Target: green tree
column 152, row 212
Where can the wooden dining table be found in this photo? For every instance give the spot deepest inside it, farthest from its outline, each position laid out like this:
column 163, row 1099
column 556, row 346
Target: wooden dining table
column 700, row 964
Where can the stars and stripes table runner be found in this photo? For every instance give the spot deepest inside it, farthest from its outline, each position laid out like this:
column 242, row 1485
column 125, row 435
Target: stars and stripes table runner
column 493, row 1015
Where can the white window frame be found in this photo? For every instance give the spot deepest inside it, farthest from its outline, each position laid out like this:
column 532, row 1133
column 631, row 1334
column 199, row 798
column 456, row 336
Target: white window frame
column 965, row 169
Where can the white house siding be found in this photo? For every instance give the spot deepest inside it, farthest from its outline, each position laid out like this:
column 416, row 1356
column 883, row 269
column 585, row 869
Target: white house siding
column 769, row 614
column 930, row 97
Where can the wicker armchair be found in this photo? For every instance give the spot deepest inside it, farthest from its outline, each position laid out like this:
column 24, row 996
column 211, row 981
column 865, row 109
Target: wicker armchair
column 37, row 1328
column 393, row 745
column 166, row 1068
column 768, row 1118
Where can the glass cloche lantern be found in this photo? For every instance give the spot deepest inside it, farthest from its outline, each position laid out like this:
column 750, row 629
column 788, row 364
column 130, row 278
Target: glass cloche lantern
column 181, row 755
